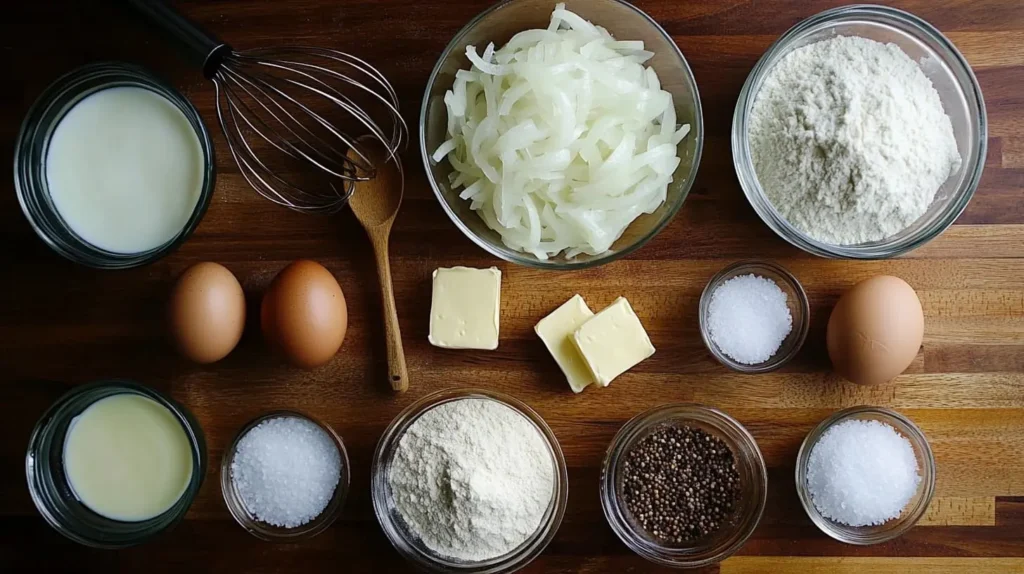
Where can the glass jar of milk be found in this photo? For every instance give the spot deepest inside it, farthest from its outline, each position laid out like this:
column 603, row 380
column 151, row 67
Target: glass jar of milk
column 112, row 464
column 113, row 167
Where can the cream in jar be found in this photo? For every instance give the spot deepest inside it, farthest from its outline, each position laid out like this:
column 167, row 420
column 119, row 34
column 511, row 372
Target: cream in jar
column 127, row 457
column 125, row 169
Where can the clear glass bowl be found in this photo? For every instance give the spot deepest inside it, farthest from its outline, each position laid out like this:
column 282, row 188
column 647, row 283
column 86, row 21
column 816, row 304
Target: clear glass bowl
column 796, row 300
column 34, row 140
column 411, row 547
column 915, row 509
column 957, row 87
column 48, row 482
column 753, row 486
column 269, row 532
column 498, row 24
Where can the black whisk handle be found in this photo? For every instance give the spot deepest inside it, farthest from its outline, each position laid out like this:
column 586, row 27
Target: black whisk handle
column 203, row 48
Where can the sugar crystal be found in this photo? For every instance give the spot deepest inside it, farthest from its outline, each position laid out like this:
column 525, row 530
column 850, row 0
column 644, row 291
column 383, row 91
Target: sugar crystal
column 861, row 473
column 285, row 470
column 748, row 318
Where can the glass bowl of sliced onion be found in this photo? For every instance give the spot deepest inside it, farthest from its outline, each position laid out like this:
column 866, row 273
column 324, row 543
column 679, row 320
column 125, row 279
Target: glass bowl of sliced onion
column 564, row 135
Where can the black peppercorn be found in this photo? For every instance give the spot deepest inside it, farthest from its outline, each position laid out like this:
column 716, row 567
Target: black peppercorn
column 679, row 503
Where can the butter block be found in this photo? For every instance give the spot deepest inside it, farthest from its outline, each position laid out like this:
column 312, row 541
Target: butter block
column 464, row 308
column 556, row 331
column 612, row 342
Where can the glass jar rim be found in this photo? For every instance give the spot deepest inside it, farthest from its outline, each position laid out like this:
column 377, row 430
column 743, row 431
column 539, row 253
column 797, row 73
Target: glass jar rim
column 34, row 134
column 39, row 473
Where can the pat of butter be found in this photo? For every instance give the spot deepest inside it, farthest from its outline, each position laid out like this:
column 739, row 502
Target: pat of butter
column 613, row 341
column 464, row 308
column 556, row 331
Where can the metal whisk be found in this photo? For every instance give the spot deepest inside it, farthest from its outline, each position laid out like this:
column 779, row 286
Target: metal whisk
column 292, row 114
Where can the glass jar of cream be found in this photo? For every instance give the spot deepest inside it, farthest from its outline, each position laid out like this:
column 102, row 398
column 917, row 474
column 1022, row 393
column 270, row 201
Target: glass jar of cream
column 112, row 464
column 113, row 167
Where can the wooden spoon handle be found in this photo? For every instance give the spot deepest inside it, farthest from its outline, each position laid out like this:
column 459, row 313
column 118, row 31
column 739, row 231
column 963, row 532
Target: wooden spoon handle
column 398, row 374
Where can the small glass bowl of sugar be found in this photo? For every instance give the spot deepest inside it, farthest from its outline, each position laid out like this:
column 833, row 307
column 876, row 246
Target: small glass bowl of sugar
column 285, row 477
column 867, row 458
column 754, row 316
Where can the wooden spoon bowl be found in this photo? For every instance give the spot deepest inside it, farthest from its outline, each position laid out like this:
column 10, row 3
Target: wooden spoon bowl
column 375, row 204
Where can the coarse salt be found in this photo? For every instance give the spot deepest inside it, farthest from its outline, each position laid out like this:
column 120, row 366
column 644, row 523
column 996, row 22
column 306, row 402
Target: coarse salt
column 748, row 318
column 285, row 470
column 862, row 473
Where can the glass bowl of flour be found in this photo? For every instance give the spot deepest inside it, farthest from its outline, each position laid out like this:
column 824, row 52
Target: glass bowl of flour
column 469, row 480
column 860, row 134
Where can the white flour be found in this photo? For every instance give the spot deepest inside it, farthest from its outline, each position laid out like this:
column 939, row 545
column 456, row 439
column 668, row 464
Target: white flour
column 849, row 140
column 472, row 478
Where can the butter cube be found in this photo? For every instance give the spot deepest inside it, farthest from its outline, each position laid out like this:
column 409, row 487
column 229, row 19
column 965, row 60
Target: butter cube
column 464, row 308
column 612, row 342
column 556, row 331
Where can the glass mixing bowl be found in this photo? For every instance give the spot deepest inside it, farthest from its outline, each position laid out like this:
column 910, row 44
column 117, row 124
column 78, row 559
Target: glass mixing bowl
column 408, row 544
column 498, row 24
column 949, row 73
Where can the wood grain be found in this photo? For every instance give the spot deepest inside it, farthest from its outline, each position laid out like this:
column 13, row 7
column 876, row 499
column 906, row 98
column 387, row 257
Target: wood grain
column 857, row 565
column 978, row 511
column 62, row 325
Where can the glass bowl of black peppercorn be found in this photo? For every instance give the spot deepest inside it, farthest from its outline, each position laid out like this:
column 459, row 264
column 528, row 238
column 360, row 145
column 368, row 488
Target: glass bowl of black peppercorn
column 683, row 485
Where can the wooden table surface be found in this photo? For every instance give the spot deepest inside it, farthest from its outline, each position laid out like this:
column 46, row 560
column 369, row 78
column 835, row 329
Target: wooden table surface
column 62, row 324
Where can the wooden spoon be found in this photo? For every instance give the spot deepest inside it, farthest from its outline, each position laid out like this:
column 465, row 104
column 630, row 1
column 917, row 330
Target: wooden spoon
column 375, row 204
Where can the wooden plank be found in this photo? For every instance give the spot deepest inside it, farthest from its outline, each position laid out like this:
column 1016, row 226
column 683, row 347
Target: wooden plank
column 988, row 49
column 1010, row 511
column 978, row 511
column 971, row 358
column 974, row 241
column 841, row 565
column 990, row 331
column 1004, row 122
column 958, row 303
column 1012, row 153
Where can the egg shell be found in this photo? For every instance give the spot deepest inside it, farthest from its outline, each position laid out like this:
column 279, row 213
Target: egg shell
column 875, row 330
column 206, row 314
column 303, row 314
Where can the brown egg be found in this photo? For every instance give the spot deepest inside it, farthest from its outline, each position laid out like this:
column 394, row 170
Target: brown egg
column 304, row 315
column 875, row 330
column 207, row 312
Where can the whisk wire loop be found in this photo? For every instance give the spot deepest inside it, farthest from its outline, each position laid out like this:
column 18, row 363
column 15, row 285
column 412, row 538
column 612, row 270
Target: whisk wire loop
column 289, row 102
column 297, row 146
column 256, row 173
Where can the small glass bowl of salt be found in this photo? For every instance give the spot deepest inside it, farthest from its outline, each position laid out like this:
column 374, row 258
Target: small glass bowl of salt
column 876, row 463
column 285, row 477
column 754, row 316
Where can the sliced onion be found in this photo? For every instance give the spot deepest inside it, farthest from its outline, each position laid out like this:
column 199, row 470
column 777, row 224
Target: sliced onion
column 561, row 138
